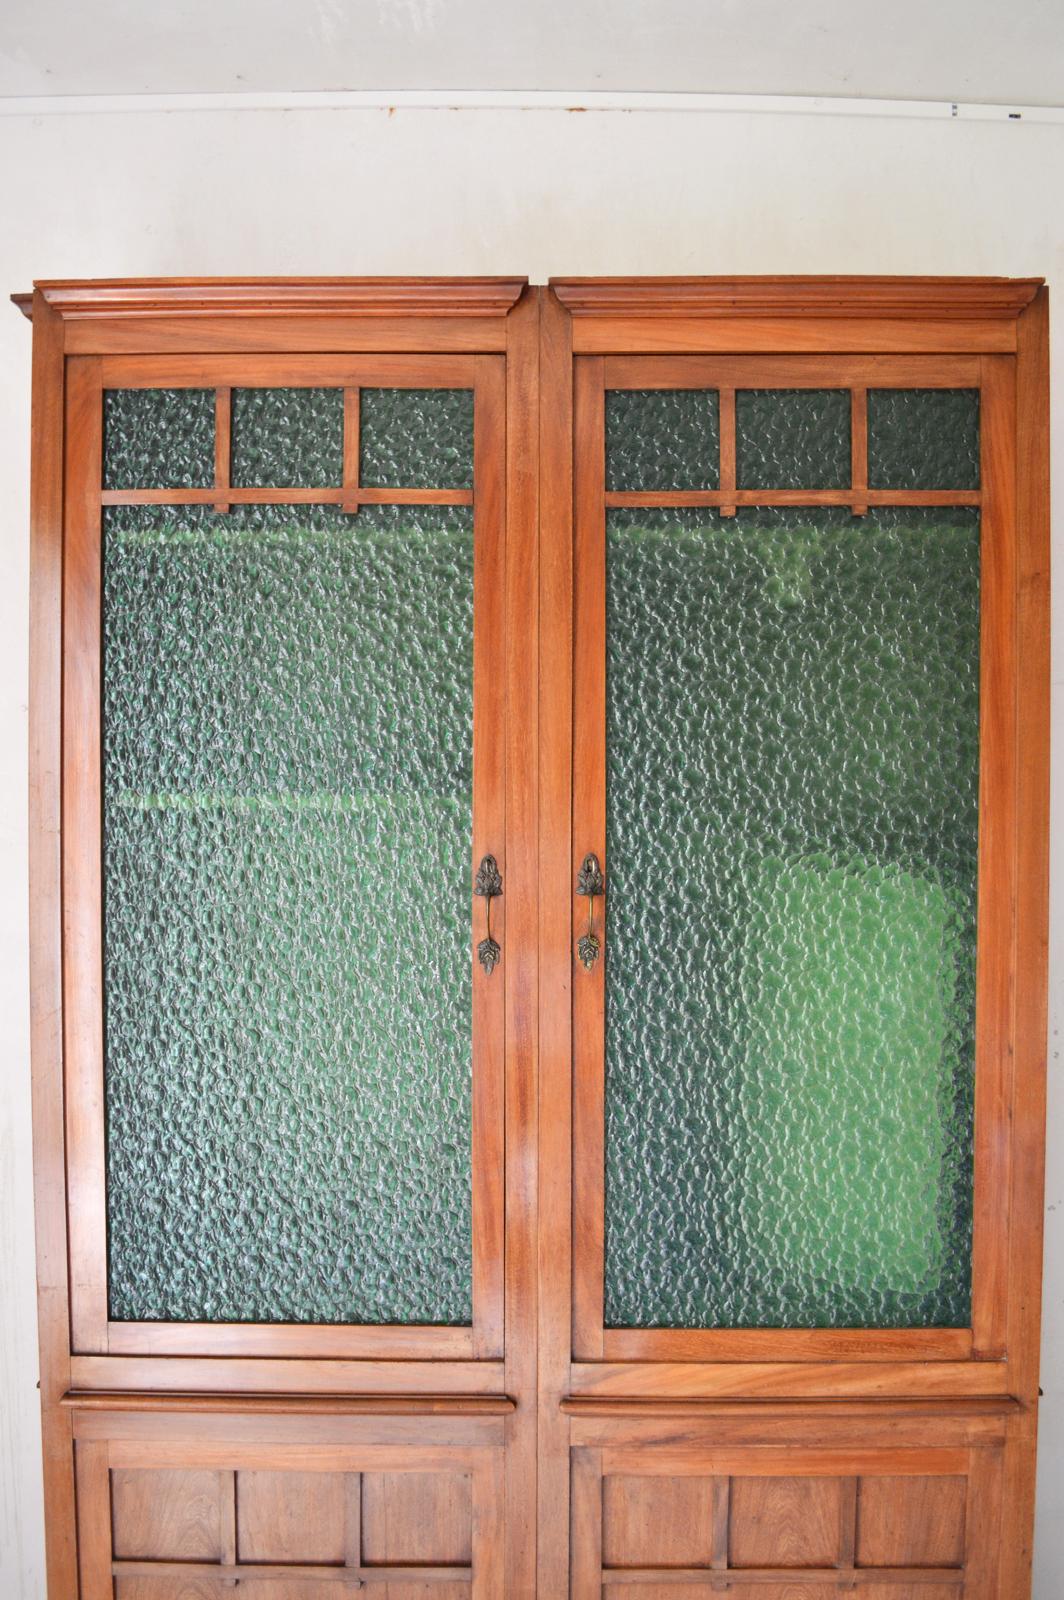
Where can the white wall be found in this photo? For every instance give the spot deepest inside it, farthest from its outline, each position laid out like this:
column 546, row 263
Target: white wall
column 471, row 192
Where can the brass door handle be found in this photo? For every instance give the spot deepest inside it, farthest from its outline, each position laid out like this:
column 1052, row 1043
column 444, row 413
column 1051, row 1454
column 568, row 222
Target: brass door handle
column 488, row 885
column 590, row 882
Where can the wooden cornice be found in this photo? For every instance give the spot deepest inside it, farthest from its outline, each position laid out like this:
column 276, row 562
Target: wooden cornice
column 939, row 299
column 256, row 297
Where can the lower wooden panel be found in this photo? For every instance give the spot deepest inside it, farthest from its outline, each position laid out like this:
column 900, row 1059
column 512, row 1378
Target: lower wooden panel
column 199, row 1507
column 792, row 1507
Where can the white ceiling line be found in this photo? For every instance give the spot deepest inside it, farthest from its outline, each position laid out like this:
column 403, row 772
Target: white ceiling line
column 520, row 100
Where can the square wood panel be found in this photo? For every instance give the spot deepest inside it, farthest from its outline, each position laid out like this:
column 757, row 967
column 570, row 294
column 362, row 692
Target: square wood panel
column 293, row 1516
column 651, row 1522
column 417, row 1516
column 166, row 1515
column 911, row 1522
column 785, row 1522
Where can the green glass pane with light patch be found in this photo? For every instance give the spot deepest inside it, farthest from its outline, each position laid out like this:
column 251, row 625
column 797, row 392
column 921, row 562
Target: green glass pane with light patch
column 287, row 766
column 792, row 786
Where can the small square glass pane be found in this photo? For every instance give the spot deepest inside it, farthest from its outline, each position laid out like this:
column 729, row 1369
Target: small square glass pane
column 416, row 438
column 792, row 438
column 158, row 438
column 288, row 438
column 662, row 439
column 923, row 438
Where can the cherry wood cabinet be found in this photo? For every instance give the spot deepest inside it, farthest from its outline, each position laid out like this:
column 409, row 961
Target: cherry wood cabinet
column 538, row 914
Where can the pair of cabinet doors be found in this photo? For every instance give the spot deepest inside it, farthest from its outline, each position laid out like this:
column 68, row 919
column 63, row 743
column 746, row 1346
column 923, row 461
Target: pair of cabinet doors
column 539, row 845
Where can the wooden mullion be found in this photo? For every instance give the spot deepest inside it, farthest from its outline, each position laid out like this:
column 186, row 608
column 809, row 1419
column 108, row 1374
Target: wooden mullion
column 721, row 1523
column 266, row 1572
column 353, row 1525
column 588, row 834
column 859, row 450
column 223, row 446
column 227, row 1523
column 999, row 759
column 727, row 501
column 287, row 496
column 788, row 1579
column 732, row 497
column 82, row 864
column 352, row 449
column 849, row 1490
column 489, row 838
column 586, row 1573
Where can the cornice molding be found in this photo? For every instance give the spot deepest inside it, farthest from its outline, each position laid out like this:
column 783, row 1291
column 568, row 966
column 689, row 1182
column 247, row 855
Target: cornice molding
column 258, row 297
column 938, row 299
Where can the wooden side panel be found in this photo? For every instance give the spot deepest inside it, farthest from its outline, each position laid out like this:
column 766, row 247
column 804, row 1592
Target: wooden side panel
column 45, row 926
column 173, row 1505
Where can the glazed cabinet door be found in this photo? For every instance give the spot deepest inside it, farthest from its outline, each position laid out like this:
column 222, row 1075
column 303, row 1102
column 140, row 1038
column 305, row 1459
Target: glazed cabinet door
column 294, row 562
column 285, row 859
column 783, row 708
column 789, row 826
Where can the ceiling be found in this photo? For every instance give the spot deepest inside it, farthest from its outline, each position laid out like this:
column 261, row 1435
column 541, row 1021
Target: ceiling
column 963, row 50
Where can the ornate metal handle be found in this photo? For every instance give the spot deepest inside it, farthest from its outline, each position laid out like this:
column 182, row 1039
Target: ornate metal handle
column 590, row 882
column 488, row 884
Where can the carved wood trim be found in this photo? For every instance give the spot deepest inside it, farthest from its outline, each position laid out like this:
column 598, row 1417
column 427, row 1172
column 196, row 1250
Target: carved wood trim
column 474, row 1405
column 943, row 299
column 251, row 297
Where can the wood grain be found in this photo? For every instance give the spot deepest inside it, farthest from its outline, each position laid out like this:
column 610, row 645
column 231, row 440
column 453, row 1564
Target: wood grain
column 45, row 931
column 556, row 966
column 296, row 298
column 911, row 1522
column 519, row 969
column 784, row 1522
column 489, row 838
column 82, row 857
column 924, row 299
column 588, row 834
column 997, row 859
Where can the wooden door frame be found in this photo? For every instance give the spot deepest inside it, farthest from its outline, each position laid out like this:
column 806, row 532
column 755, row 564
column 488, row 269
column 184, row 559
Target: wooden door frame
column 87, row 377
column 997, row 328
column 993, row 378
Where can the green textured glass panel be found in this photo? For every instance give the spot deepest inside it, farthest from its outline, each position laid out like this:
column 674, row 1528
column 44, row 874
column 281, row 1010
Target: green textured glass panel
column 792, row 438
column 416, row 438
column 662, row 439
column 792, row 783
column 923, row 438
column 287, row 820
column 287, row 438
column 158, row 438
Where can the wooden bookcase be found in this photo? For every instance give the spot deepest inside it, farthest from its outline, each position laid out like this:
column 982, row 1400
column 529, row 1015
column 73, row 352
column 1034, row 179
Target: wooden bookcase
column 544, row 1447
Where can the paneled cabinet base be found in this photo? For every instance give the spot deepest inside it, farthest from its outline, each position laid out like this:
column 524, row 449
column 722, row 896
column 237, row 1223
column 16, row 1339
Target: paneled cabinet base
column 799, row 1502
